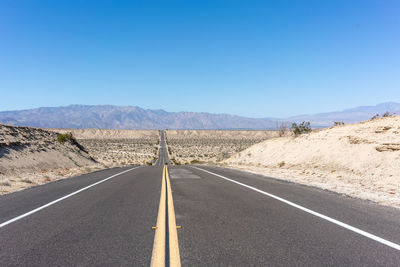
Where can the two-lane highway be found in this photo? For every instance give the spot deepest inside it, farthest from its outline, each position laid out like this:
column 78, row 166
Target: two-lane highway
column 162, row 151
column 227, row 218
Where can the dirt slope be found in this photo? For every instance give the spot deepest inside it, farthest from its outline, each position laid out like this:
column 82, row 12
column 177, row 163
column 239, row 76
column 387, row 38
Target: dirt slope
column 361, row 160
column 30, row 156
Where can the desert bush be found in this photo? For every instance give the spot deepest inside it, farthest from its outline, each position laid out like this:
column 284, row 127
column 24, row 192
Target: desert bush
column 175, row 162
column 387, row 114
column 337, row 123
column 62, row 138
column 282, row 129
column 384, row 115
column 375, row 117
column 225, row 155
column 302, row 128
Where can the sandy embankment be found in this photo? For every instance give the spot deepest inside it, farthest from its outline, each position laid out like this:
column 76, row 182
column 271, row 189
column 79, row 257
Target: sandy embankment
column 361, row 160
column 32, row 156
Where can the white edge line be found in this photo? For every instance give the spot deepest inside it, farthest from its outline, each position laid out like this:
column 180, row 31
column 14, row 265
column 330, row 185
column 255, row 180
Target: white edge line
column 60, row 199
column 344, row 225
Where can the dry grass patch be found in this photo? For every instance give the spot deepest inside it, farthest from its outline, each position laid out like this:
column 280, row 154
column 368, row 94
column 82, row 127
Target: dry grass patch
column 119, row 152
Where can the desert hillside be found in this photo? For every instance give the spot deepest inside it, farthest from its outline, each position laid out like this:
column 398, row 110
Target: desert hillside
column 361, row 160
column 30, row 156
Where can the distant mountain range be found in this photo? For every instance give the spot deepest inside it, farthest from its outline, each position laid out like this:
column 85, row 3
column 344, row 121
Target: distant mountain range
column 119, row 117
column 349, row 115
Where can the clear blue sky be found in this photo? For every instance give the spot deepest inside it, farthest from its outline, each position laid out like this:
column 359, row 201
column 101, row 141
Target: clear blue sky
column 252, row 58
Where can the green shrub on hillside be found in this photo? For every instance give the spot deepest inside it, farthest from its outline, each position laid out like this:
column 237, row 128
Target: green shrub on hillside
column 302, row 128
column 68, row 137
column 62, row 138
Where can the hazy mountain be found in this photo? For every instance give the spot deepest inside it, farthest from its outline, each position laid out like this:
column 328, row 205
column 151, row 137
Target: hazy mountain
column 117, row 117
column 349, row 115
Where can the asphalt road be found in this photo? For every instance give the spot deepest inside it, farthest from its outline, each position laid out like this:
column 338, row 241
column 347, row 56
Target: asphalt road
column 162, row 151
column 223, row 223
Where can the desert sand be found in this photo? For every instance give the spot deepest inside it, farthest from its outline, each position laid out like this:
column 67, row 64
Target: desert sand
column 360, row 160
column 32, row 156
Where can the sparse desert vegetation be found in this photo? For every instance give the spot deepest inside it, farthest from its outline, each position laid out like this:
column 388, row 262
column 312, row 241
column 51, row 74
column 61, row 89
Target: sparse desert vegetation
column 120, row 152
column 118, row 147
column 301, row 128
column 210, row 146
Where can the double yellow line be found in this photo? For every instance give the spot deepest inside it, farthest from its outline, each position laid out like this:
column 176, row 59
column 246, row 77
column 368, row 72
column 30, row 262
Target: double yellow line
column 166, row 252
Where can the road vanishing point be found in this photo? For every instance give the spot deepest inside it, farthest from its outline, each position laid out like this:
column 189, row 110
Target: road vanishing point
column 169, row 215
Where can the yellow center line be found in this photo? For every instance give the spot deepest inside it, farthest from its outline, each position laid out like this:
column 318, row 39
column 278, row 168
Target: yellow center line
column 158, row 255
column 174, row 257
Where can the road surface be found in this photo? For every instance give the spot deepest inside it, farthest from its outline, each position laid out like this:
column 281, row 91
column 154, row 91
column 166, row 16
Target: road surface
column 227, row 218
column 162, row 151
